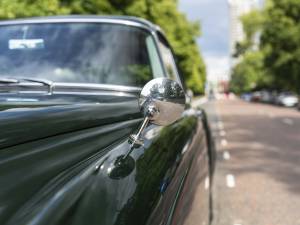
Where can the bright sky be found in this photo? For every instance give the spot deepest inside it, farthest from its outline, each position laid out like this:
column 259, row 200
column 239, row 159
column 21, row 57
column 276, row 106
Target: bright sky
column 214, row 42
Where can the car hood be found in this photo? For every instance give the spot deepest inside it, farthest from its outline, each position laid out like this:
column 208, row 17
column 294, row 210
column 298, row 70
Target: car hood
column 29, row 118
column 47, row 140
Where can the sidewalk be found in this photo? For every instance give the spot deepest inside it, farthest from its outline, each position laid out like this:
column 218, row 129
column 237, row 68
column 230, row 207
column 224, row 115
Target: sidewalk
column 199, row 101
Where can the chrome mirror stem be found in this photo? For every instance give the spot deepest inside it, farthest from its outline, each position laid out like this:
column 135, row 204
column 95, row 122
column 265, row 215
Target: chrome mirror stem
column 134, row 139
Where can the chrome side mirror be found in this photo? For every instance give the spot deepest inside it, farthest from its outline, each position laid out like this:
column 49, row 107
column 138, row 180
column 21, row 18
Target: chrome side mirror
column 162, row 101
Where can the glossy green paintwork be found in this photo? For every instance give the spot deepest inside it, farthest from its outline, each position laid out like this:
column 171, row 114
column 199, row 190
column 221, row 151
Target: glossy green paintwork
column 30, row 117
column 58, row 169
column 26, row 168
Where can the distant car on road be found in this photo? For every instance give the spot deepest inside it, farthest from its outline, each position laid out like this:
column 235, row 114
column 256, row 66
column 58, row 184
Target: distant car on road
column 246, row 96
column 256, row 96
column 287, row 99
column 266, row 96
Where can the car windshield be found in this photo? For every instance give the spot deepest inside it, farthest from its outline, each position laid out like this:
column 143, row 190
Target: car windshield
column 79, row 53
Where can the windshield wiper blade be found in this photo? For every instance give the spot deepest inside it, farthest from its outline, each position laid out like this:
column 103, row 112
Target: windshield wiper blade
column 34, row 80
column 41, row 81
column 8, row 81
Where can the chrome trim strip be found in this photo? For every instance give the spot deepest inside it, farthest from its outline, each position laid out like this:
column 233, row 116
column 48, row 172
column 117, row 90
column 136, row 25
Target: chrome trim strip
column 78, row 20
column 101, row 87
column 95, row 93
column 74, row 87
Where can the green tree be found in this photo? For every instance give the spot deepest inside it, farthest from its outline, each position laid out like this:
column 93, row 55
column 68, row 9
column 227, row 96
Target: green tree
column 252, row 25
column 180, row 32
column 249, row 73
column 280, row 41
column 279, row 48
column 11, row 9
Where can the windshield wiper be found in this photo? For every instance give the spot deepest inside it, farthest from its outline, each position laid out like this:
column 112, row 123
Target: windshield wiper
column 8, row 81
column 48, row 83
column 41, row 81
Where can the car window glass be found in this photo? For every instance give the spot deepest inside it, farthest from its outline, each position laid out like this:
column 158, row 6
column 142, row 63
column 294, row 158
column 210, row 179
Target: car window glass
column 154, row 58
column 168, row 60
column 77, row 52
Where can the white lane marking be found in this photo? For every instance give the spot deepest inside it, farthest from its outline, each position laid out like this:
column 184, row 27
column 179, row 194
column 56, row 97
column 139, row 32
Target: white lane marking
column 230, row 181
column 220, row 125
column 224, row 142
column 222, row 133
column 206, row 183
column 288, row 121
column 226, row 155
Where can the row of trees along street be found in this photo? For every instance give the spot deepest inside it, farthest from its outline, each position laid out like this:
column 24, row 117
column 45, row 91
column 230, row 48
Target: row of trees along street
column 269, row 57
column 181, row 33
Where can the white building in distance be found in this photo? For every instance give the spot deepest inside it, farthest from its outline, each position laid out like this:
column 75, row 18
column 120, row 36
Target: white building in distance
column 237, row 8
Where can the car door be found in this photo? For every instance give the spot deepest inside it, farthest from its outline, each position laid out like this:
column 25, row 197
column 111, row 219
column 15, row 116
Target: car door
column 180, row 163
column 185, row 187
column 170, row 172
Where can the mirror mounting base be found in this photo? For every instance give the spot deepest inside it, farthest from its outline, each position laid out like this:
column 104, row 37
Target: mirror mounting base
column 135, row 140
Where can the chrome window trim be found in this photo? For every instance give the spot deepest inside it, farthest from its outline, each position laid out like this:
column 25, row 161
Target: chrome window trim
column 74, row 87
column 100, row 87
column 77, row 20
column 100, row 93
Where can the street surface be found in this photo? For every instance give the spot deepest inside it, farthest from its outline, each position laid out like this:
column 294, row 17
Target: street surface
column 257, row 179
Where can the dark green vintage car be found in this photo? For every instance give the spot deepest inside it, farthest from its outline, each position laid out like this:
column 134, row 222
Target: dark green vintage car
column 95, row 127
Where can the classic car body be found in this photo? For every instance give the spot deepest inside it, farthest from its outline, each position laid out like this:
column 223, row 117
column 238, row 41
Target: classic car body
column 59, row 141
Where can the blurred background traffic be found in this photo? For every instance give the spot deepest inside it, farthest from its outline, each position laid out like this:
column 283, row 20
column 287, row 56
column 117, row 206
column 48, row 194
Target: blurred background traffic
column 250, row 48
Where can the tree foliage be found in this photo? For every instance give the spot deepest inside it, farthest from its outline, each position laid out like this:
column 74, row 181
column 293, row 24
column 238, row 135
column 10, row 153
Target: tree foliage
column 280, row 41
column 180, row 32
column 249, row 72
column 278, row 49
column 252, row 24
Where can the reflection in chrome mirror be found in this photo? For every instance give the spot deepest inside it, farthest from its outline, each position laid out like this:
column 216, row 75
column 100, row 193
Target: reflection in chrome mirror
column 162, row 102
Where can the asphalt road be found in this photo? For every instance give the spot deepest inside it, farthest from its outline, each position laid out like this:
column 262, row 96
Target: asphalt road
column 257, row 179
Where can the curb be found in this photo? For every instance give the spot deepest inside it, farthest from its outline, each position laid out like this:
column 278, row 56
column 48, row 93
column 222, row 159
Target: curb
column 199, row 101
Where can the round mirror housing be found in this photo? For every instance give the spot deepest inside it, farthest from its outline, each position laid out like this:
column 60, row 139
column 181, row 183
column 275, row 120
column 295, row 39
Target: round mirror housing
column 162, row 100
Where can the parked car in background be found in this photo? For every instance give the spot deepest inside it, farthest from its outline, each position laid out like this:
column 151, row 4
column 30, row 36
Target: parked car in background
column 266, row 96
column 287, row 99
column 95, row 128
column 256, row 96
column 246, row 96
column 274, row 96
